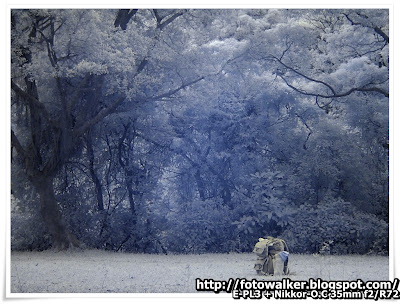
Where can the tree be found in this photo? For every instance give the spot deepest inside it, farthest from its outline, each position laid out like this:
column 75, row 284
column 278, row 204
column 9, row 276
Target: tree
column 59, row 80
column 199, row 130
column 52, row 139
column 64, row 85
column 363, row 58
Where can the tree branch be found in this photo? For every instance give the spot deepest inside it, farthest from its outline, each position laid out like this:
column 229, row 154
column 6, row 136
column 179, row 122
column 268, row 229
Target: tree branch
column 17, row 145
column 174, row 91
column 158, row 17
column 337, row 95
column 372, row 26
column 304, row 76
column 324, row 107
column 308, row 128
column 382, row 34
column 192, row 162
column 334, row 93
column 71, row 101
column 370, row 89
column 35, row 102
column 123, row 17
column 162, row 25
column 101, row 115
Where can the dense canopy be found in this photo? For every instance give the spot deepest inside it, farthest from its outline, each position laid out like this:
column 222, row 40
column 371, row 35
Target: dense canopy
column 191, row 130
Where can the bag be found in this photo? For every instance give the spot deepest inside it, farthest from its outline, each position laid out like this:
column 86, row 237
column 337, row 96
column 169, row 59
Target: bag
column 284, row 255
column 261, row 246
column 267, row 249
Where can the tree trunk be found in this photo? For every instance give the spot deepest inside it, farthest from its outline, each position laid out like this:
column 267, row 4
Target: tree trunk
column 131, row 193
column 96, row 180
column 123, row 17
column 200, row 185
column 62, row 238
column 226, row 194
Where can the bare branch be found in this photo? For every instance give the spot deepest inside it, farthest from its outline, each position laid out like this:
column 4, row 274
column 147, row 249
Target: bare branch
column 308, row 128
column 74, row 98
column 101, row 115
column 336, row 95
column 25, row 95
column 170, row 19
column 370, row 89
column 287, row 49
column 372, row 26
column 304, row 76
column 31, row 100
column 123, row 17
column 325, row 106
column 174, row 91
column 381, row 33
column 158, row 17
column 185, row 85
column 17, row 145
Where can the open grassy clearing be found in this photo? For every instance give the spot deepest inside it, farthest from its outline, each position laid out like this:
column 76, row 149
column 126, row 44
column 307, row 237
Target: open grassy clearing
column 95, row 271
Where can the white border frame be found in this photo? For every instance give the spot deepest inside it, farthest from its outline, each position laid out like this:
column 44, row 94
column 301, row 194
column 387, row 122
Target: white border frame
column 394, row 270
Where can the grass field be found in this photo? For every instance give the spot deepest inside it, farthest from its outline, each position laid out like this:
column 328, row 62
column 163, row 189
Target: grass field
column 96, row 271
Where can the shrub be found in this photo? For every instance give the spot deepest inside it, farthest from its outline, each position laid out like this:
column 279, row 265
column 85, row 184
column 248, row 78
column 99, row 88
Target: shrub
column 28, row 232
column 351, row 230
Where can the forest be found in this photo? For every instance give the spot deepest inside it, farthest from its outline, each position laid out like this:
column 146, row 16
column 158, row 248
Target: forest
column 200, row 130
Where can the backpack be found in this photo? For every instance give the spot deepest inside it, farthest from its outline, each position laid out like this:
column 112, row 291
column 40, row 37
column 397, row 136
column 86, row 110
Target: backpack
column 270, row 251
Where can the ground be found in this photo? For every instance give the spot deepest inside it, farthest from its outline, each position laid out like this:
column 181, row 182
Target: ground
column 95, row 271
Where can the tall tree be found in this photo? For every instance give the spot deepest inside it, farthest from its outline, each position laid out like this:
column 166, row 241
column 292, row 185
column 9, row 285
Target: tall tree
column 174, row 129
column 73, row 68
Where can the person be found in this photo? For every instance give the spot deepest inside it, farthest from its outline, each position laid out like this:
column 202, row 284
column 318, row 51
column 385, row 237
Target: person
column 269, row 249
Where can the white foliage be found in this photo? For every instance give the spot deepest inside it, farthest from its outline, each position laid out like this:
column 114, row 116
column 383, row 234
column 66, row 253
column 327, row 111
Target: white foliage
column 84, row 67
column 357, row 72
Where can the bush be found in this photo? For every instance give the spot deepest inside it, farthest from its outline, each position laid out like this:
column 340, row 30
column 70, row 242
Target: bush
column 28, row 232
column 351, row 230
column 204, row 227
